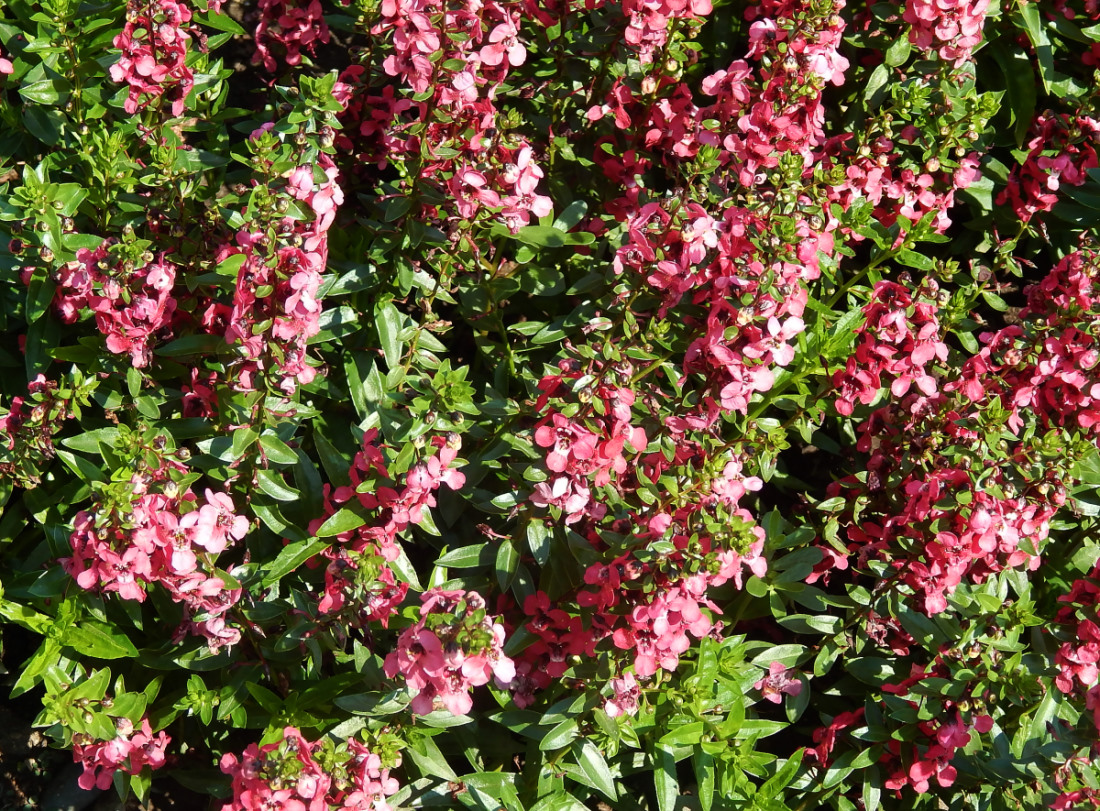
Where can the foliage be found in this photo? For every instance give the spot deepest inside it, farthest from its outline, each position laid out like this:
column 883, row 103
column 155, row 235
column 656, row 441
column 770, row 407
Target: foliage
column 556, row 405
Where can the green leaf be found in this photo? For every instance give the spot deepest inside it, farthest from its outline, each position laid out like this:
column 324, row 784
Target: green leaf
column 870, row 669
column 374, row 704
column 40, row 294
column 559, row 801
column 335, row 323
column 595, row 767
column 268, row 701
column 99, row 640
column 664, row 779
column 81, row 467
column 403, row 570
column 560, row 736
column 995, row 301
column 272, row 484
column 25, row 616
column 914, row 260
column 290, row 558
column 703, row 764
column 389, row 322
column 872, row 794
column 783, row 777
column 538, row 541
column 684, row 734
column 787, row 655
column 70, row 195
column 277, row 451
column 45, row 124
column 506, row 563
column 874, row 92
column 571, row 215
column 344, row 520
column 1019, row 75
column 465, row 557
column 546, row 236
column 45, row 657
column 429, row 759
column 52, row 92
column 1044, row 713
column 89, row 441
column 812, row 624
column 192, row 345
column 1084, row 559
column 443, row 719
column 243, row 439
column 219, row 22
column 1033, row 25
column 898, row 52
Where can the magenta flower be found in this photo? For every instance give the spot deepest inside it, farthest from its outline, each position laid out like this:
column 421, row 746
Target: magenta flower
column 777, row 682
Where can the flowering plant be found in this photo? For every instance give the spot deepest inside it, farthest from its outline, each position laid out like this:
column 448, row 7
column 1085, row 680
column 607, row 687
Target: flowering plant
column 543, row 406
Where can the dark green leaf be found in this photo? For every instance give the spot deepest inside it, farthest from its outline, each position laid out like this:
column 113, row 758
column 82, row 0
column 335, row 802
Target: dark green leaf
column 342, row 521
column 99, row 640
column 277, row 451
column 466, row 557
column 595, row 767
column 290, row 558
column 506, row 563
column 560, row 736
column 664, row 779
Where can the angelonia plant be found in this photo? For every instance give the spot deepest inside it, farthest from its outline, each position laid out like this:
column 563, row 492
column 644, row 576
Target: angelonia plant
column 549, row 406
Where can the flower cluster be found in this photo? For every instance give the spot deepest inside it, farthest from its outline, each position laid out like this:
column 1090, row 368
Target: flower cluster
column 953, row 28
column 650, row 607
column 358, row 580
column 292, row 24
column 133, row 303
column 934, row 761
column 648, row 22
column 1049, row 366
column 1061, row 151
column 28, row 429
column 1078, row 657
column 1041, row 374
column 146, row 531
column 487, row 45
column 131, row 751
column 769, row 125
column 991, row 521
column 295, row 774
column 154, row 53
column 472, row 51
column 646, row 604
column 583, row 452
column 279, row 279
column 898, row 340
column 454, row 647
column 397, row 509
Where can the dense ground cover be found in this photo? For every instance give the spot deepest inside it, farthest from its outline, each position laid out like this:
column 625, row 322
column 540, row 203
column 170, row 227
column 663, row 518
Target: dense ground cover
column 667, row 404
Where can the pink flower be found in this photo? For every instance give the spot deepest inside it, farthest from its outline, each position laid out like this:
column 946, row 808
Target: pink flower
column 128, row 751
column 446, row 675
column 625, row 698
column 213, row 524
column 777, row 682
column 503, row 41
